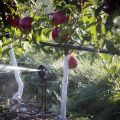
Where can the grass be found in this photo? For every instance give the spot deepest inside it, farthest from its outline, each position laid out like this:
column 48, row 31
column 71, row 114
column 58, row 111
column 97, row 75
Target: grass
column 89, row 91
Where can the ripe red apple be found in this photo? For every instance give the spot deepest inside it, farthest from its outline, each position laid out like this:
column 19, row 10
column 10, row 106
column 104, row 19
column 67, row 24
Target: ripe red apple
column 55, row 33
column 58, row 35
column 26, row 23
column 13, row 20
column 72, row 62
column 59, row 17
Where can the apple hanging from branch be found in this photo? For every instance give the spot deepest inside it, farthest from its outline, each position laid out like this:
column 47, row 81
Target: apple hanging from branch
column 59, row 17
column 13, row 20
column 72, row 62
column 25, row 24
column 60, row 35
column 55, row 33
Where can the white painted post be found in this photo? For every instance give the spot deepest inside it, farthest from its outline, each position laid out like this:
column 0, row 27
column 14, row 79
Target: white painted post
column 19, row 93
column 64, row 89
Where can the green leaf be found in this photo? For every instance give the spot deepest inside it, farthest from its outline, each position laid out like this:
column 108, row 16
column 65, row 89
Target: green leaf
column 107, row 58
column 113, row 69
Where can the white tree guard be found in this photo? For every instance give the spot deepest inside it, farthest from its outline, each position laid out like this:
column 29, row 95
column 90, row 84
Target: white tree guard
column 64, row 89
column 19, row 93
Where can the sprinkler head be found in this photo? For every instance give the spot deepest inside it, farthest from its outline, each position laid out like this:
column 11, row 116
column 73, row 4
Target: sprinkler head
column 43, row 72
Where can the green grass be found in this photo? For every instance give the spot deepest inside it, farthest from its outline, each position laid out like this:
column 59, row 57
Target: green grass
column 89, row 91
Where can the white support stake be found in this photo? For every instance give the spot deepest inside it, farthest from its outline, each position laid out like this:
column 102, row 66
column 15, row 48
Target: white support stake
column 64, row 89
column 19, row 93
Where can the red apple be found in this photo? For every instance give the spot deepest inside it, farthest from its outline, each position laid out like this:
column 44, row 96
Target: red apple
column 59, row 17
column 59, row 36
column 55, row 33
column 72, row 62
column 26, row 23
column 13, row 20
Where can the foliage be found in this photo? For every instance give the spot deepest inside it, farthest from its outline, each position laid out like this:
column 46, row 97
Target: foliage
column 88, row 25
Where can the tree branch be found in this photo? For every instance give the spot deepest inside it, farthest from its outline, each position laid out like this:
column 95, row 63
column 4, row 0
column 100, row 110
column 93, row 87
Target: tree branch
column 69, row 46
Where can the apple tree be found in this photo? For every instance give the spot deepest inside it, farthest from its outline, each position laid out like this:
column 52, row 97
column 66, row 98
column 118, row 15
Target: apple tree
column 93, row 24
